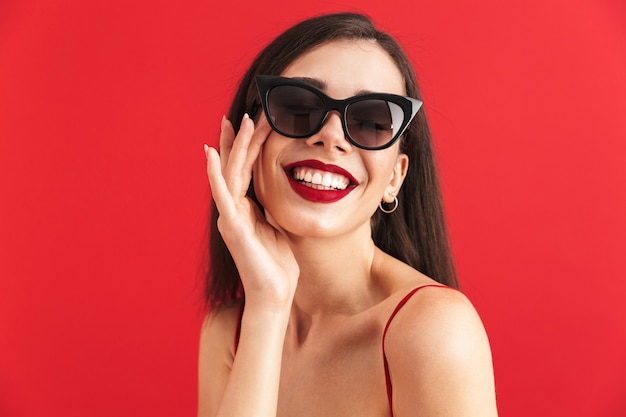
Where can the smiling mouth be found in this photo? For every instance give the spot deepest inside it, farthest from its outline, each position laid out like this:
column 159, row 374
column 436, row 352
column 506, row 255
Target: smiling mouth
column 319, row 180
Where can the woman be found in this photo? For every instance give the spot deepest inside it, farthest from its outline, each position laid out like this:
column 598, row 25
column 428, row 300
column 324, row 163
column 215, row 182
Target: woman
column 328, row 219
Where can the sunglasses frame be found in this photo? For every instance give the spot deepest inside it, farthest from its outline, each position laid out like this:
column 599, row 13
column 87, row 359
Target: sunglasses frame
column 409, row 106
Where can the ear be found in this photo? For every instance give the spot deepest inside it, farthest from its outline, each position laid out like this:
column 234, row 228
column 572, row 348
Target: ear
column 398, row 174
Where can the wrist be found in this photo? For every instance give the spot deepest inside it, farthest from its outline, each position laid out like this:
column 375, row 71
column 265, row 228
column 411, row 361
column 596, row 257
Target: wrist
column 267, row 310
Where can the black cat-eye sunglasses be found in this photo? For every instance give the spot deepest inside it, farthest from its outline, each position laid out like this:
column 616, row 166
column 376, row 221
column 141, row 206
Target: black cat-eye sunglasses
column 297, row 109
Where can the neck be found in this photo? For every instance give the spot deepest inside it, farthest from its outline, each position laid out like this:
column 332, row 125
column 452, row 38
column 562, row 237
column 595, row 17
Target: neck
column 335, row 273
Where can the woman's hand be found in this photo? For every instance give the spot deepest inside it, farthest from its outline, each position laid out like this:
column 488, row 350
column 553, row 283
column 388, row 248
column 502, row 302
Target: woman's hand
column 268, row 269
column 269, row 273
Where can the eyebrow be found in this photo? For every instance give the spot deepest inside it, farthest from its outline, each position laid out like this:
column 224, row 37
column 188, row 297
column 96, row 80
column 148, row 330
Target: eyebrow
column 317, row 83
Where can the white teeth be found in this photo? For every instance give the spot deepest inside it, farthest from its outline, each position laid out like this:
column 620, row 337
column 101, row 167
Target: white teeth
column 322, row 180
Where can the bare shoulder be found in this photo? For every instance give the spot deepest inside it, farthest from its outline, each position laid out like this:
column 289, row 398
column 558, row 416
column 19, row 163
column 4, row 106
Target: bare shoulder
column 439, row 312
column 439, row 356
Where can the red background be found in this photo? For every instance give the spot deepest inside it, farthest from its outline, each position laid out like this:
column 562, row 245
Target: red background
column 104, row 107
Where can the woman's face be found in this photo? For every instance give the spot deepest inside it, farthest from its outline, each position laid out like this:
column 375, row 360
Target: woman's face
column 288, row 171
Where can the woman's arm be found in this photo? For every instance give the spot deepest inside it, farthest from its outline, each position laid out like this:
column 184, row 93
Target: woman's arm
column 269, row 274
column 439, row 358
column 215, row 358
column 247, row 386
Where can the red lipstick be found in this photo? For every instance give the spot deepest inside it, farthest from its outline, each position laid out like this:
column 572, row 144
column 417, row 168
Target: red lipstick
column 313, row 194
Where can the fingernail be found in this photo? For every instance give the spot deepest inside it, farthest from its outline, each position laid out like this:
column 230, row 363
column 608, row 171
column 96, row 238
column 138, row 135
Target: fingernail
column 206, row 150
column 245, row 116
column 223, row 122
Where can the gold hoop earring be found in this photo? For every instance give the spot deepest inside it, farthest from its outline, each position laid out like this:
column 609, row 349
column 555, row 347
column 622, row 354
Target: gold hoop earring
column 390, row 210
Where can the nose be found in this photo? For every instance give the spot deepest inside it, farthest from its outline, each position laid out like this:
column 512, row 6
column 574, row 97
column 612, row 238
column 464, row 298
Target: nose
column 331, row 135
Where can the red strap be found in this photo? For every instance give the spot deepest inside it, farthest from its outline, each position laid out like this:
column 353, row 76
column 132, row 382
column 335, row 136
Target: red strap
column 395, row 311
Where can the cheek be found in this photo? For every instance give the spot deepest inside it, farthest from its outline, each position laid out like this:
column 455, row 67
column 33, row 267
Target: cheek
column 380, row 167
column 266, row 169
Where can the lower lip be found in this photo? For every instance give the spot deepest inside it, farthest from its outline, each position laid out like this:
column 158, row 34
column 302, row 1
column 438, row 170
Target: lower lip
column 317, row 196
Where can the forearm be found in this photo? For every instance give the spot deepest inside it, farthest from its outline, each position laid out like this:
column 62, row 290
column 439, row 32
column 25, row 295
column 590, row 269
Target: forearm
column 252, row 389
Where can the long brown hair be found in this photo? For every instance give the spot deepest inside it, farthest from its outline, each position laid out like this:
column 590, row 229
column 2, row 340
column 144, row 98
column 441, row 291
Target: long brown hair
column 415, row 233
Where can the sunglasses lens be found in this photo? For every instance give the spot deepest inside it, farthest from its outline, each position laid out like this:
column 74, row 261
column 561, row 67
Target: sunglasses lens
column 295, row 111
column 373, row 123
